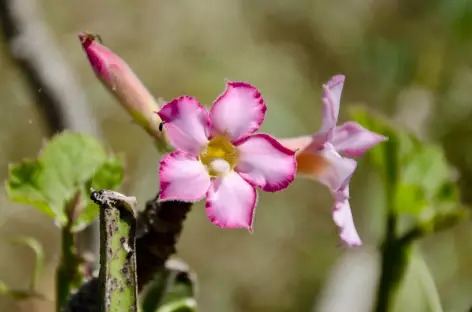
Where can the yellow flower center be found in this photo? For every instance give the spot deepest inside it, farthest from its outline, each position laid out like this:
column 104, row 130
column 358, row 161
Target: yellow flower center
column 219, row 156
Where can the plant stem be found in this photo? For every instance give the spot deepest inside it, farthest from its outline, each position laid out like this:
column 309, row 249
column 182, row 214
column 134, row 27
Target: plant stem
column 394, row 249
column 68, row 275
column 118, row 279
column 67, row 268
column 159, row 226
column 394, row 263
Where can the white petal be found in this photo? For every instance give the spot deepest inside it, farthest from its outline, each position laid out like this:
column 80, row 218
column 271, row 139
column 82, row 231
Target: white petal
column 331, row 100
column 337, row 169
column 182, row 177
column 187, row 124
column 265, row 162
column 238, row 112
column 231, row 202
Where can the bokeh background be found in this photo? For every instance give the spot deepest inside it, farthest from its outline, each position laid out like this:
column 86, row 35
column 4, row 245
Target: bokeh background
column 409, row 60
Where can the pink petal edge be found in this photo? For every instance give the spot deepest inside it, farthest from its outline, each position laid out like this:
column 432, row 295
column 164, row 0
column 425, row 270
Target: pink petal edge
column 354, row 140
column 239, row 111
column 231, row 202
column 187, row 124
column 182, row 177
column 265, row 162
column 342, row 217
column 331, row 98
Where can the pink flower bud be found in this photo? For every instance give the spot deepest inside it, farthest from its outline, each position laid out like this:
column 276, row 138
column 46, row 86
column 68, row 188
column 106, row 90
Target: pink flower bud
column 118, row 77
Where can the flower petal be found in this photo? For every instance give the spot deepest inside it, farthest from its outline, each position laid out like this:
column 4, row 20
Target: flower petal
column 182, row 177
column 297, row 144
column 354, row 140
column 238, row 112
column 342, row 216
column 123, row 83
column 266, row 163
column 336, row 169
column 331, row 100
column 311, row 165
column 231, row 202
column 187, row 124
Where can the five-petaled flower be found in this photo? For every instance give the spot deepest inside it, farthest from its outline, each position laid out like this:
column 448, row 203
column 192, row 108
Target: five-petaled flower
column 318, row 156
column 219, row 156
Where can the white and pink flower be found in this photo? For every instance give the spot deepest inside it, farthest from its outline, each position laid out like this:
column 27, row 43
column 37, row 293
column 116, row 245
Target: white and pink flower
column 219, row 156
column 318, row 156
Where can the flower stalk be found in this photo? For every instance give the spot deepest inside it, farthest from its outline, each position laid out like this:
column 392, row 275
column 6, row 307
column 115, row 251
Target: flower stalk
column 68, row 275
column 395, row 253
column 67, row 271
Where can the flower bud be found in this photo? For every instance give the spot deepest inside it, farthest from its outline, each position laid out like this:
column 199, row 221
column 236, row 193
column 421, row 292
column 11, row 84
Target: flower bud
column 118, row 77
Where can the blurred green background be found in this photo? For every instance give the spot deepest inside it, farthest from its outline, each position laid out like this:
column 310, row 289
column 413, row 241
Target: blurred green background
column 409, row 60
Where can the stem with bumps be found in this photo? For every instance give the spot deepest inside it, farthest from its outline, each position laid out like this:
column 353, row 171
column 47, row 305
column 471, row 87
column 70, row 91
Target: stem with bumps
column 159, row 226
column 117, row 251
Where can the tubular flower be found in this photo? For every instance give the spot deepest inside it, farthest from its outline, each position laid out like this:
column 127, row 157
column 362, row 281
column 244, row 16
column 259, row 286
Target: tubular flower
column 318, row 156
column 120, row 79
column 219, row 156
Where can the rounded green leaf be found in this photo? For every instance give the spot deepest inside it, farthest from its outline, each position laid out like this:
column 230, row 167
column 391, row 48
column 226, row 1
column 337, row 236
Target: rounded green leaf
column 64, row 167
column 109, row 176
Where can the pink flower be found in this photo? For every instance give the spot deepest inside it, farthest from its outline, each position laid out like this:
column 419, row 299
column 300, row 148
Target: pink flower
column 120, row 79
column 219, row 156
column 318, row 156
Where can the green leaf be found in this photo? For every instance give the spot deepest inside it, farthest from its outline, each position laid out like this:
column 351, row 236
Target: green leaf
column 39, row 257
column 446, row 216
column 404, row 143
column 387, row 156
column 65, row 166
column 182, row 305
column 410, row 199
column 25, row 184
column 418, row 291
column 447, row 192
column 109, row 176
column 427, row 168
column 173, row 289
column 416, row 174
